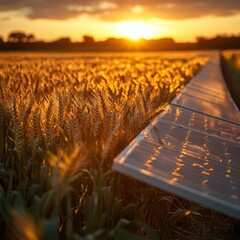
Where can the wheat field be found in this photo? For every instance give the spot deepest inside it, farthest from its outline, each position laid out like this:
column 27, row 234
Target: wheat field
column 63, row 119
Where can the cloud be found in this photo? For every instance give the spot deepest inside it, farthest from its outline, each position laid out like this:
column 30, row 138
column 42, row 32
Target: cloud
column 114, row 10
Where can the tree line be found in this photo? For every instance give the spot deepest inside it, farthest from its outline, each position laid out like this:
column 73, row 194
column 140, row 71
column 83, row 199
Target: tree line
column 21, row 41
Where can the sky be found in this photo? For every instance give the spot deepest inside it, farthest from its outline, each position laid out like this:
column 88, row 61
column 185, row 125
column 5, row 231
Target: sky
column 183, row 20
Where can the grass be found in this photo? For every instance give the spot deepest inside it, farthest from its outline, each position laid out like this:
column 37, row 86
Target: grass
column 62, row 121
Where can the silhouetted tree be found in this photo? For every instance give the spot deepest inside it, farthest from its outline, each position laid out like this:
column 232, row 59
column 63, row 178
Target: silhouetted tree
column 88, row 39
column 19, row 37
column 30, row 38
column 201, row 39
column 63, row 41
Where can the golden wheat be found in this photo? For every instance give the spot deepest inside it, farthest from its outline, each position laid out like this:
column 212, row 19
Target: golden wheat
column 63, row 119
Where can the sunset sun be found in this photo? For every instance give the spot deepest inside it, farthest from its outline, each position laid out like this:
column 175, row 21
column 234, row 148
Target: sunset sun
column 135, row 30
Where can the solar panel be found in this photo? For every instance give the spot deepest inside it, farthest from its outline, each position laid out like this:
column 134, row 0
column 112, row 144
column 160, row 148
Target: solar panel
column 186, row 162
column 207, row 93
column 202, row 122
column 193, row 148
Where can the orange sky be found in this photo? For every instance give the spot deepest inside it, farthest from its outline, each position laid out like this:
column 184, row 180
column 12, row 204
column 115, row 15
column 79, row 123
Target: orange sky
column 181, row 19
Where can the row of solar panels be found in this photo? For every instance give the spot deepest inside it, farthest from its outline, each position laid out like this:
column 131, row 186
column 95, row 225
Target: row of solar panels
column 193, row 148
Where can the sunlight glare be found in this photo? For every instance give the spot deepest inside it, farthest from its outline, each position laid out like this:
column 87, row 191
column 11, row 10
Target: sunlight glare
column 135, row 30
column 137, row 9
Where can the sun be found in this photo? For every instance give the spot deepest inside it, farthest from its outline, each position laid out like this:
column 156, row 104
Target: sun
column 135, row 30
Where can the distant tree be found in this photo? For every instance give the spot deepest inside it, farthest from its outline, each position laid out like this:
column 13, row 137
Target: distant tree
column 1, row 39
column 19, row 37
column 16, row 37
column 30, row 38
column 63, row 41
column 88, row 39
column 201, row 39
column 166, row 40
